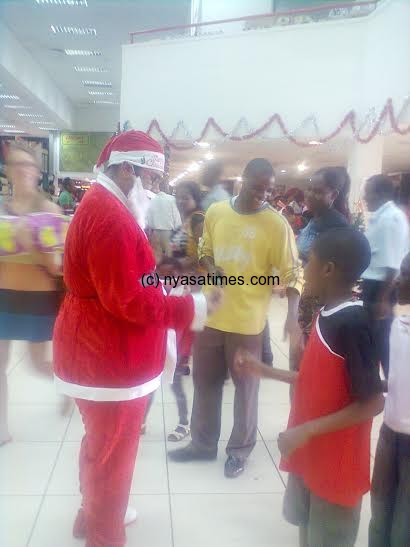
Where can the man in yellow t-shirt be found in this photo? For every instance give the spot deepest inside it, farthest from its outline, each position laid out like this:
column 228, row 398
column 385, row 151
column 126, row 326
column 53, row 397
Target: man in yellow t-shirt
column 245, row 240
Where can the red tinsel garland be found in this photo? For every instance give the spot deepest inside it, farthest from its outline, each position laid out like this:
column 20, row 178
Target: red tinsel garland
column 350, row 119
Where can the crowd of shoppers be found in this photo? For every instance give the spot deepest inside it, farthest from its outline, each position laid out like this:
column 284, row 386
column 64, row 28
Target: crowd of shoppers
column 347, row 344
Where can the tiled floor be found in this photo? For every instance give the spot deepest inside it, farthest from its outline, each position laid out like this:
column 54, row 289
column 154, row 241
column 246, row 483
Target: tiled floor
column 179, row 505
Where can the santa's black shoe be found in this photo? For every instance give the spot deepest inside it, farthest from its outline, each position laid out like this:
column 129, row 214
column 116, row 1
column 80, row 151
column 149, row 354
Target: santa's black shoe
column 191, row 453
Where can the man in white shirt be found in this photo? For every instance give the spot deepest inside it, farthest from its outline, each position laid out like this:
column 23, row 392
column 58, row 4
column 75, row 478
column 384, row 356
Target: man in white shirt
column 211, row 179
column 162, row 219
column 390, row 494
column 388, row 235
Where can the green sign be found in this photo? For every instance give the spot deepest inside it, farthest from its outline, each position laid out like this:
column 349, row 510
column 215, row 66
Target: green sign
column 79, row 151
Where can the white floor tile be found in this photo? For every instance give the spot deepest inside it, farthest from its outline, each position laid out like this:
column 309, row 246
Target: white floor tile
column 362, row 538
column 17, row 515
column 226, row 520
column 37, row 423
column 18, row 352
column 55, row 522
column 273, row 419
column 64, row 481
column 275, row 455
column 208, row 477
column 272, row 392
column 26, row 467
column 150, row 475
column 26, row 386
column 206, row 507
column 153, row 526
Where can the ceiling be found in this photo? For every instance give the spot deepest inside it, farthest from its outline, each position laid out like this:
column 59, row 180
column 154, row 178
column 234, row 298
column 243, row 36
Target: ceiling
column 286, row 157
column 112, row 22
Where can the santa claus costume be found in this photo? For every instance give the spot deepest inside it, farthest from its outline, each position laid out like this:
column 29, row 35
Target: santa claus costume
column 110, row 335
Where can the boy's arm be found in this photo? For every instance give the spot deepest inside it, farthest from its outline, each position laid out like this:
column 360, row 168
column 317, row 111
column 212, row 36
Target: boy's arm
column 246, row 363
column 286, row 376
column 349, row 416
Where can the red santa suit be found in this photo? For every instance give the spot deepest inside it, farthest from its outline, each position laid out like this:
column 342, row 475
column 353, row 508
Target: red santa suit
column 110, row 336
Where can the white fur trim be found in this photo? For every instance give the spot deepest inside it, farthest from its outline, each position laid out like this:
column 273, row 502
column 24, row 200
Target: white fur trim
column 200, row 312
column 93, row 393
column 142, row 158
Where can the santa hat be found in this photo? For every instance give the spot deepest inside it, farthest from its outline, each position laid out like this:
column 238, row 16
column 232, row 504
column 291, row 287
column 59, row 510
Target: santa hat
column 134, row 147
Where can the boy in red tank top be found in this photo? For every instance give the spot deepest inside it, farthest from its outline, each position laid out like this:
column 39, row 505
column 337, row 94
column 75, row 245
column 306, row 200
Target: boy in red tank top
column 326, row 448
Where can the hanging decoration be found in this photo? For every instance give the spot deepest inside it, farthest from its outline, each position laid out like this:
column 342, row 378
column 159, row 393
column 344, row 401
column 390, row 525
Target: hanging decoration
column 373, row 122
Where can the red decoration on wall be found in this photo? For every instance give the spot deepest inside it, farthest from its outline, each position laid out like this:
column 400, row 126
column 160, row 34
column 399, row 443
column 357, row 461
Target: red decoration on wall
column 387, row 113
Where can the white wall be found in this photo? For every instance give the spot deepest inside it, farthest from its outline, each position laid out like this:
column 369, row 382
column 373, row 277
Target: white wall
column 325, row 69
column 96, row 118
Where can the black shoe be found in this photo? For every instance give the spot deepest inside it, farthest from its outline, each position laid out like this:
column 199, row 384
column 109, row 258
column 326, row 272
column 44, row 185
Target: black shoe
column 234, row 467
column 190, row 454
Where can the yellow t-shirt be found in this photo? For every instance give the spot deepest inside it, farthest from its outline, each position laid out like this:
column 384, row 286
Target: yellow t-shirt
column 249, row 245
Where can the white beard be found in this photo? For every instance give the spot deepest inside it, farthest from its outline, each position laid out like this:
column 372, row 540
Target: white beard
column 138, row 202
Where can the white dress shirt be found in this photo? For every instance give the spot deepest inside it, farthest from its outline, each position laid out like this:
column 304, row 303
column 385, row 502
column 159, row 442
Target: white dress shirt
column 388, row 234
column 163, row 213
column 397, row 407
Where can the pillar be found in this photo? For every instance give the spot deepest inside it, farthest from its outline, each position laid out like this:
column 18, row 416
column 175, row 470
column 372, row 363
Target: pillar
column 54, row 152
column 364, row 161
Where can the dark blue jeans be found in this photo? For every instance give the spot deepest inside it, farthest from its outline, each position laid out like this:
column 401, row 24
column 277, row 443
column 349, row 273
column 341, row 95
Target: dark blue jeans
column 381, row 327
column 390, row 494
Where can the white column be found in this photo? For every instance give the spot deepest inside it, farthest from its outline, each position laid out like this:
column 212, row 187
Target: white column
column 364, row 161
column 54, row 152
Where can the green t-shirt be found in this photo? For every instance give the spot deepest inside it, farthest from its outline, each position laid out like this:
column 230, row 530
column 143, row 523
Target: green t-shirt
column 66, row 200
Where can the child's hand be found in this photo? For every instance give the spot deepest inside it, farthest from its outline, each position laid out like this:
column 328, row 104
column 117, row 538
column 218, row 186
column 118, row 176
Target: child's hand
column 290, row 440
column 246, row 363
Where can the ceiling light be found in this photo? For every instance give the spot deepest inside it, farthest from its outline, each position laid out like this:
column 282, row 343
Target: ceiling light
column 10, row 97
column 73, row 3
column 302, row 167
column 13, row 131
column 209, row 156
column 74, row 31
column 83, row 52
column 7, row 125
column 104, row 102
column 29, row 115
column 17, row 106
column 90, row 69
column 315, row 143
column 47, row 128
column 283, row 170
column 41, row 122
column 239, row 179
column 202, row 144
column 94, row 83
column 100, row 93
